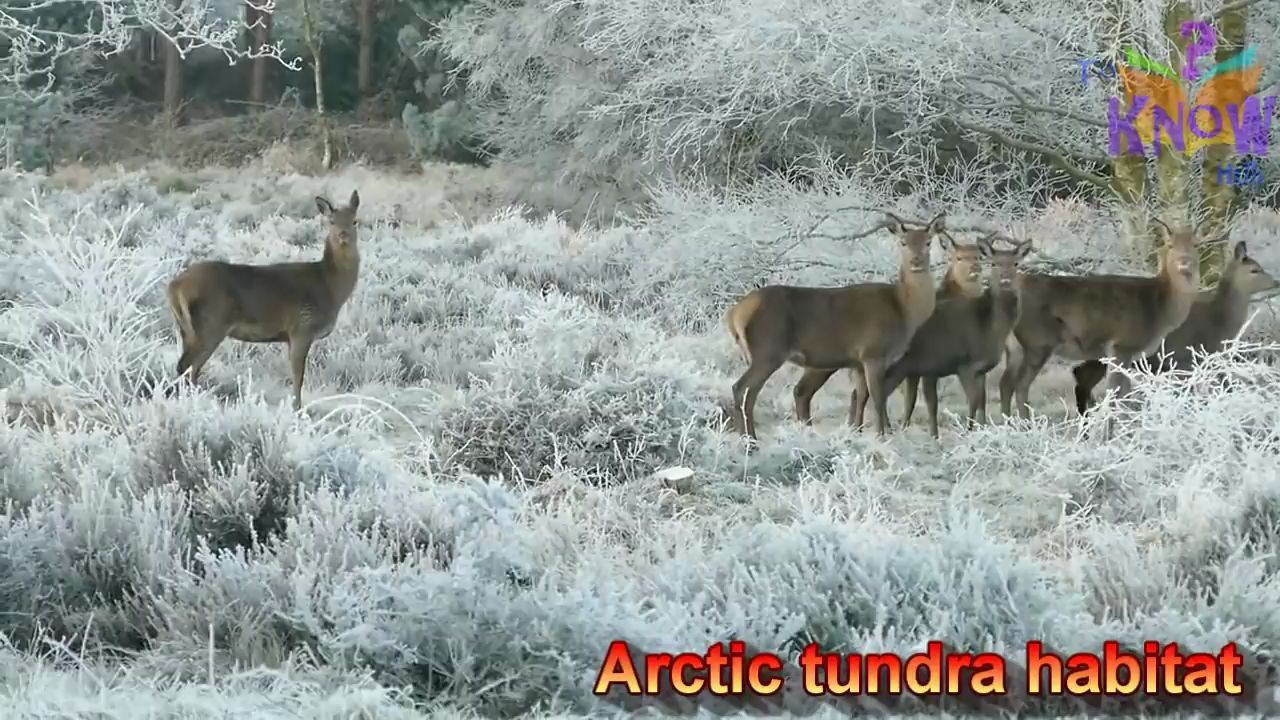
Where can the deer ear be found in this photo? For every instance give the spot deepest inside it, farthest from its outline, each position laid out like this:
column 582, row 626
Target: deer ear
column 946, row 242
column 939, row 223
column 354, row 202
column 325, row 207
column 894, row 225
column 1240, row 250
column 984, row 247
column 1024, row 249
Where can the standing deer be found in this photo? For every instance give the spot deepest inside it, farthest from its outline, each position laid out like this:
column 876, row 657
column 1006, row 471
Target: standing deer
column 1216, row 315
column 965, row 337
column 293, row 302
column 963, row 278
column 1087, row 317
column 865, row 327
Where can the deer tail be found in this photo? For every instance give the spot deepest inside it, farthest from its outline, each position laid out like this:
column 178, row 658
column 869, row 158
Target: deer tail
column 180, row 305
column 737, row 319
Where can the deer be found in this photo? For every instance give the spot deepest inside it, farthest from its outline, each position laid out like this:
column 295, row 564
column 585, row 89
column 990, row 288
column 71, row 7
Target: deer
column 963, row 278
column 964, row 337
column 865, row 327
column 292, row 302
column 1216, row 315
column 1088, row 317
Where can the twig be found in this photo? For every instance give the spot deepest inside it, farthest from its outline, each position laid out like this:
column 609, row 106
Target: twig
column 1235, row 6
column 1056, row 156
column 1022, row 101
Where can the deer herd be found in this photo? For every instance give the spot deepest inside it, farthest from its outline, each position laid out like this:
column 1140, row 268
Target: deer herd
column 912, row 330
column 909, row 330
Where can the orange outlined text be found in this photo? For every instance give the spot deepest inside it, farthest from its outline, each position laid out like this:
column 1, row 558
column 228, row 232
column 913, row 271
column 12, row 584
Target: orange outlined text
column 727, row 669
column 716, row 671
column 1116, row 672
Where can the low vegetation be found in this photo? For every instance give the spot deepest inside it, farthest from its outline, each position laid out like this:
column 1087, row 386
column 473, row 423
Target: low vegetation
column 479, row 494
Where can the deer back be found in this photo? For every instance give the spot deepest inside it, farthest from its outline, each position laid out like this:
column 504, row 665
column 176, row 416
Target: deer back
column 265, row 303
column 1093, row 315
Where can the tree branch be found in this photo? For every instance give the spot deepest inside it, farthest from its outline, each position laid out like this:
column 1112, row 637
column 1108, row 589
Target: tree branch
column 1235, row 6
column 1022, row 101
column 1057, row 157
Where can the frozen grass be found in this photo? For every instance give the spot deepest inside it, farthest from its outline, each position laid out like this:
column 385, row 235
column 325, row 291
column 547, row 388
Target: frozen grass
column 472, row 505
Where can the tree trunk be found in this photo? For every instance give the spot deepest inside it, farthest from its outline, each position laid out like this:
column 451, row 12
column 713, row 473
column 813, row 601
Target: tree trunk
column 314, row 43
column 1128, row 170
column 1220, row 197
column 259, row 37
column 1129, row 182
column 1173, row 185
column 140, row 46
column 172, row 84
column 172, row 77
column 367, row 13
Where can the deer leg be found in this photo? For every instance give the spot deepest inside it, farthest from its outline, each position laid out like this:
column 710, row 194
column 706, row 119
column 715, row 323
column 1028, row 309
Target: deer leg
column 909, row 398
column 198, row 353
column 981, row 380
column 858, row 401
column 1013, row 358
column 747, row 389
column 974, row 386
column 1087, row 375
column 810, row 382
column 1118, row 382
column 1033, row 361
column 299, row 347
column 931, row 403
column 873, row 372
column 184, row 363
column 893, row 377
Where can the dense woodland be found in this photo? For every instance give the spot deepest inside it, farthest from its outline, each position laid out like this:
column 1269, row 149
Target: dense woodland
column 355, row 62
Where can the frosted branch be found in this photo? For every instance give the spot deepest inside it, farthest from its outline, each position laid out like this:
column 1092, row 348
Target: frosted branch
column 30, row 51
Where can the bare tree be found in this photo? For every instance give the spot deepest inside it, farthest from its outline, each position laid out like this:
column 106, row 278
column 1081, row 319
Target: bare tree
column 304, row 25
column 315, row 44
column 30, row 50
column 259, row 25
column 367, row 19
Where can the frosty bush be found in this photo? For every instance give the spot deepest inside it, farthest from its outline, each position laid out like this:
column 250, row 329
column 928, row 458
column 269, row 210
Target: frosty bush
column 480, row 496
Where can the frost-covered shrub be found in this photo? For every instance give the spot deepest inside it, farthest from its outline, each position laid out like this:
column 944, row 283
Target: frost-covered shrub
column 573, row 389
column 445, row 133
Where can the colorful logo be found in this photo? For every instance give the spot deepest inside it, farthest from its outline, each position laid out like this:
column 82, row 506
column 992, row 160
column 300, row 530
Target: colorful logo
column 1225, row 109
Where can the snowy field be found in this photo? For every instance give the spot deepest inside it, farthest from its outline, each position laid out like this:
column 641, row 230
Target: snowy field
column 478, row 499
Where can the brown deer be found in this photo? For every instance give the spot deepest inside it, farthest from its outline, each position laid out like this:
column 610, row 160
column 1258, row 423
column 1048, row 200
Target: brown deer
column 293, row 302
column 1216, row 315
column 1087, row 317
column 865, row 327
column 963, row 278
column 965, row 337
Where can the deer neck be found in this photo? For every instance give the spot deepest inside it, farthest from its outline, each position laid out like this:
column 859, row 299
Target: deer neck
column 1004, row 307
column 952, row 287
column 916, row 296
column 340, row 268
column 1230, row 305
column 1178, row 292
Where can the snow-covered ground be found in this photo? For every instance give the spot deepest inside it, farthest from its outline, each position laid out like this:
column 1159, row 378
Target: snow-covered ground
column 474, row 503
